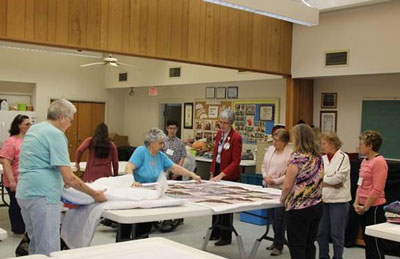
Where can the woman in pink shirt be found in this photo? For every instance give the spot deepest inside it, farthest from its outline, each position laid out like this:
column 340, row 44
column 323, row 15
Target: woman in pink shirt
column 274, row 170
column 102, row 152
column 9, row 158
column 370, row 196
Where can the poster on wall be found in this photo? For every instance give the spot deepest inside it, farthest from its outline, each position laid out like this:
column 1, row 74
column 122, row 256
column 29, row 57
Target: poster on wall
column 206, row 117
column 255, row 119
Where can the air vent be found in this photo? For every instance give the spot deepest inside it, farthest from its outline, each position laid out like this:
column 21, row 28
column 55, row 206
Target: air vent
column 123, row 77
column 175, row 72
column 337, row 58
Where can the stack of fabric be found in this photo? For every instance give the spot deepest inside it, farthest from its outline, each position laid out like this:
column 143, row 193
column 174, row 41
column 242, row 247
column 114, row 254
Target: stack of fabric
column 392, row 212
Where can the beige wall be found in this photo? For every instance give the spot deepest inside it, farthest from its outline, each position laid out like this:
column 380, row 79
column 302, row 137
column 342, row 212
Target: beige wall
column 370, row 33
column 59, row 76
column 351, row 91
column 155, row 72
column 142, row 111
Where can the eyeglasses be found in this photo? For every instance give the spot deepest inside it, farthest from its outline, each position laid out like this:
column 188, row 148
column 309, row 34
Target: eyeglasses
column 224, row 122
column 69, row 118
column 172, row 128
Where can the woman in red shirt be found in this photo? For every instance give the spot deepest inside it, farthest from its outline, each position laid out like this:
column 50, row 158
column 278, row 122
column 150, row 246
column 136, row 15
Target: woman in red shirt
column 370, row 196
column 102, row 152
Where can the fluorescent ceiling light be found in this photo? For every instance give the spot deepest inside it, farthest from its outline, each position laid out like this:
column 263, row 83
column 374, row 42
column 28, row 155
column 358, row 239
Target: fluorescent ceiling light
column 287, row 10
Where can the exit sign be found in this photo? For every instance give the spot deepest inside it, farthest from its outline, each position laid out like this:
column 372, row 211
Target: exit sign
column 153, row 91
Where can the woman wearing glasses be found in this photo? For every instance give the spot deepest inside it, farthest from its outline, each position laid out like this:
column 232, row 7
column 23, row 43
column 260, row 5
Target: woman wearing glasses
column 225, row 166
column 9, row 158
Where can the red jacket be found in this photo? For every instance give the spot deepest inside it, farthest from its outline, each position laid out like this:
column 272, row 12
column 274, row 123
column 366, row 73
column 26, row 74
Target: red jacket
column 230, row 157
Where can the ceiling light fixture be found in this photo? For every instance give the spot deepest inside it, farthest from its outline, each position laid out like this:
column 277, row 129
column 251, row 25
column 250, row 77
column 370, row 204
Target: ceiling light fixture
column 131, row 92
column 283, row 9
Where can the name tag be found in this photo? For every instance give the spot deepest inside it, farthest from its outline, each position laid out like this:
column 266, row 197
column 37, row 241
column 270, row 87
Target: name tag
column 169, row 152
column 360, row 181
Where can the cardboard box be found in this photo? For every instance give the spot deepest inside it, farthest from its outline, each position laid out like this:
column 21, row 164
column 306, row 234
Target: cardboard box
column 119, row 140
column 262, row 146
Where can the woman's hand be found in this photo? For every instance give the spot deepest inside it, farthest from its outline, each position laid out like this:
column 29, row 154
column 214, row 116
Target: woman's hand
column 269, row 180
column 360, row 210
column 196, row 178
column 136, row 184
column 13, row 186
column 217, row 178
column 99, row 196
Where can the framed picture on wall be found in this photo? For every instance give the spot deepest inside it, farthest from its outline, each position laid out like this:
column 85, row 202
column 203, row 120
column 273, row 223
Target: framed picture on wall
column 233, row 92
column 329, row 100
column 210, row 92
column 221, row 93
column 188, row 113
column 328, row 121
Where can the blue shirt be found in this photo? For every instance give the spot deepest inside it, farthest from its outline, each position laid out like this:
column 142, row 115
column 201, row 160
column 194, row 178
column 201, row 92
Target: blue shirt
column 43, row 149
column 148, row 166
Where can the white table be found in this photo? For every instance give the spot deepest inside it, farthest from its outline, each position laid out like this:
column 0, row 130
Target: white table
column 150, row 248
column 82, row 165
column 3, row 234
column 386, row 230
column 133, row 216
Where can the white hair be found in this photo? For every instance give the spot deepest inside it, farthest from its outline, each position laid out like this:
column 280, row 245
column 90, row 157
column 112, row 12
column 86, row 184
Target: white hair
column 154, row 134
column 227, row 114
column 60, row 107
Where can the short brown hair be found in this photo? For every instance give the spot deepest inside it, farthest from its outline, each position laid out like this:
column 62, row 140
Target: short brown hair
column 332, row 138
column 283, row 135
column 372, row 138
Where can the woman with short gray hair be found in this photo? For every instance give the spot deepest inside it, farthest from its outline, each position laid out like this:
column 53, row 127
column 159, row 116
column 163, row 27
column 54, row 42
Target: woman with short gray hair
column 44, row 168
column 154, row 134
column 145, row 165
column 225, row 165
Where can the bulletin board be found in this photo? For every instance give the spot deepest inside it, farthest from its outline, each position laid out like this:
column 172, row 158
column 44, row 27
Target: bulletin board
column 206, row 117
column 255, row 118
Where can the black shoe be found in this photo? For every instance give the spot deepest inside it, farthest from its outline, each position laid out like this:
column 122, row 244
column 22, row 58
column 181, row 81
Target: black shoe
column 223, row 242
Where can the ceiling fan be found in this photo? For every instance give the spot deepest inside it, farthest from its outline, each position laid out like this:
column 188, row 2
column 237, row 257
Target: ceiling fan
column 110, row 61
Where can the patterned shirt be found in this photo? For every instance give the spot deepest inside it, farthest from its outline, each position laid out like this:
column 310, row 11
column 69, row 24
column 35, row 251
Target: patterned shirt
column 10, row 150
column 307, row 188
column 175, row 149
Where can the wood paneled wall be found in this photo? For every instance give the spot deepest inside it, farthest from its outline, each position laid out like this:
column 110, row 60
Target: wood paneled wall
column 182, row 30
column 299, row 101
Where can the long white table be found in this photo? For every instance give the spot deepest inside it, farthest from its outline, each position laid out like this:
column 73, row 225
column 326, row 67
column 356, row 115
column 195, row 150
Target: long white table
column 133, row 216
column 386, row 230
column 150, row 248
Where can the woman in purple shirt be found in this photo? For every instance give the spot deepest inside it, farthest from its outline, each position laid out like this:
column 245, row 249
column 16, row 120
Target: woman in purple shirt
column 302, row 193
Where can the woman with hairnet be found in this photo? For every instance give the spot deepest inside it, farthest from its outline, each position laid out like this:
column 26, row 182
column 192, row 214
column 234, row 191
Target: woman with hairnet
column 146, row 164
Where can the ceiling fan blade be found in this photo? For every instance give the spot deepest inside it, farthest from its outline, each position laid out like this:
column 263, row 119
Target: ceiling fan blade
column 129, row 65
column 92, row 64
column 113, row 64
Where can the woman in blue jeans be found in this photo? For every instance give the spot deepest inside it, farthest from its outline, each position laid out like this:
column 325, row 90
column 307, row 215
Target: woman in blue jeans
column 335, row 195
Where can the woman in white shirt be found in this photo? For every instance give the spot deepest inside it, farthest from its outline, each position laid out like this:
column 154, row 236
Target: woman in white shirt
column 274, row 170
column 335, row 195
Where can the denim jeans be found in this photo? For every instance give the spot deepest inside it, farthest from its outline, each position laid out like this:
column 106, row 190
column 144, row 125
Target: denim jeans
column 332, row 226
column 42, row 222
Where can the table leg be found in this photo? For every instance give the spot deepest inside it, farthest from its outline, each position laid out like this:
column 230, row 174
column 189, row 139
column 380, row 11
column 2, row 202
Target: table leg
column 206, row 239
